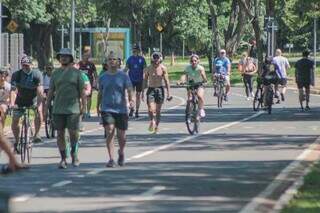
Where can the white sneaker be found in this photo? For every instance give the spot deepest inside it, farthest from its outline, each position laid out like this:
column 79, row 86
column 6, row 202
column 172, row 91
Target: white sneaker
column 202, row 113
column 248, row 98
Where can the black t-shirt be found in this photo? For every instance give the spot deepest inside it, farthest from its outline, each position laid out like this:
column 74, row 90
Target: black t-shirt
column 304, row 70
column 26, row 84
column 253, row 51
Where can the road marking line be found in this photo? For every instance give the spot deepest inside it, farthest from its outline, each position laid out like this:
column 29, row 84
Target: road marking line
column 192, row 137
column 61, row 183
column 22, row 198
column 283, row 175
column 148, row 194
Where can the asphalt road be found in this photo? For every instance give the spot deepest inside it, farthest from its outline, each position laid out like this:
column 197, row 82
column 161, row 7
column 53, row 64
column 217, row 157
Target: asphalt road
column 241, row 161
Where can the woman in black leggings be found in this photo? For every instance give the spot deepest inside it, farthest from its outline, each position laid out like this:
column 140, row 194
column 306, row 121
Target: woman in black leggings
column 247, row 68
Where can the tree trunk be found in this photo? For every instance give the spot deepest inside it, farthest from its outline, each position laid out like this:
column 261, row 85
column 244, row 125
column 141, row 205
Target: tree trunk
column 214, row 15
column 235, row 28
column 42, row 33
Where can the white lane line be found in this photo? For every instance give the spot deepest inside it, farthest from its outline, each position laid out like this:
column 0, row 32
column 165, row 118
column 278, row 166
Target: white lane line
column 149, row 194
column 154, row 190
column 163, row 147
column 262, row 198
column 43, row 189
column 61, row 183
column 192, row 137
column 22, row 198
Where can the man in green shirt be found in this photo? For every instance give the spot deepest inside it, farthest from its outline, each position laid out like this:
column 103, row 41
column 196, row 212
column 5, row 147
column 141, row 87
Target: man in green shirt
column 67, row 85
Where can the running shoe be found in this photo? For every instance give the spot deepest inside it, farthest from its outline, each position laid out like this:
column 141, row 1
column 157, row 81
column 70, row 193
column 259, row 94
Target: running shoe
column 37, row 139
column 120, row 159
column 62, row 164
column 202, row 113
column 111, row 164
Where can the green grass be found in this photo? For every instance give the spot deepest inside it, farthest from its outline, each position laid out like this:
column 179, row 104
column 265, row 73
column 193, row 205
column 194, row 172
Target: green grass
column 308, row 198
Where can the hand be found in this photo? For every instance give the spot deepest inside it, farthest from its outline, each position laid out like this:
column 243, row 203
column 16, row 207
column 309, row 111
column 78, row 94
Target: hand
column 142, row 97
column 169, row 98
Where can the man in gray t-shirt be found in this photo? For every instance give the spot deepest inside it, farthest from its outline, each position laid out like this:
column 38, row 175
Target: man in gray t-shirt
column 112, row 104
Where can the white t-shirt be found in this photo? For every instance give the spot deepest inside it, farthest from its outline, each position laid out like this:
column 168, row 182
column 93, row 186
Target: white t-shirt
column 5, row 93
column 46, row 81
column 282, row 65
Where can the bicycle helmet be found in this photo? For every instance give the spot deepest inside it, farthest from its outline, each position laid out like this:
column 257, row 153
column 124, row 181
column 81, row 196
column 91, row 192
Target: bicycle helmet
column 65, row 51
column 156, row 55
column 4, row 71
column 26, row 60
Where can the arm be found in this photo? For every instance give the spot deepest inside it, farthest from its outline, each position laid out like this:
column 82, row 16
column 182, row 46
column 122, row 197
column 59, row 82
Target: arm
column 49, row 97
column 229, row 68
column 166, row 82
column 203, row 74
column 145, row 82
column 99, row 97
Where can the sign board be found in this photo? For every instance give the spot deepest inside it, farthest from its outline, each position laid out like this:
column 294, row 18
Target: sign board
column 12, row 26
column 159, row 27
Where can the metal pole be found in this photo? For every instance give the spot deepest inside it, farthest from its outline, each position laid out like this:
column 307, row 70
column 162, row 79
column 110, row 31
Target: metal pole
column 72, row 26
column 183, row 46
column 161, row 42
column 62, row 36
column 80, row 44
column 272, row 38
column 315, row 42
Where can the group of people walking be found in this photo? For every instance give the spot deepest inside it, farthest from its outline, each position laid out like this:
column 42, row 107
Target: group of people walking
column 120, row 92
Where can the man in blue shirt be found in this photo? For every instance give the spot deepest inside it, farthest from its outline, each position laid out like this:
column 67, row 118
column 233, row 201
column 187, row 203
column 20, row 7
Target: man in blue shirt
column 222, row 65
column 135, row 64
column 112, row 103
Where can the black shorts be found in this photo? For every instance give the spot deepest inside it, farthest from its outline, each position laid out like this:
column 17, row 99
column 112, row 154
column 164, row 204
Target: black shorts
column 283, row 82
column 303, row 84
column 155, row 95
column 137, row 86
column 119, row 120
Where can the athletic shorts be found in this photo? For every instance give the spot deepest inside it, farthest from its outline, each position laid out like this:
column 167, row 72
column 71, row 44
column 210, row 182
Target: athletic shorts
column 303, row 84
column 137, row 86
column 283, row 82
column 155, row 95
column 119, row 120
column 66, row 121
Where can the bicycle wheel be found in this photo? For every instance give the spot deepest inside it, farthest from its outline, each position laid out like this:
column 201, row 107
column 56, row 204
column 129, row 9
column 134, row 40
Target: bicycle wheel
column 191, row 117
column 220, row 95
column 29, row 138
column 269, row 99
column 48, row 126
column 258, row 100
column 23, row 145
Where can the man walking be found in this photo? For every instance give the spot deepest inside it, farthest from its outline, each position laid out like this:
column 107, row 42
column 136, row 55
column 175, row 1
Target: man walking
column 68, row 87
column 304, row 72
column 135, row 64
column 112, row 104
column 282, row 65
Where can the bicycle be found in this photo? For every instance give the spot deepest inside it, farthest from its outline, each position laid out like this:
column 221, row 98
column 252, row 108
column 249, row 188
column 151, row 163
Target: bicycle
column 258, row 97
column 49, row 126
column 220, row 88
column 26, row 134
column 192, row 117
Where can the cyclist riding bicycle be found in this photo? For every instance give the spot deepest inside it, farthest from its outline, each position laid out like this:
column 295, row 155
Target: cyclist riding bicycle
column 196, row 74
column 268, row 76
column 222, row 65
column 26, row 91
